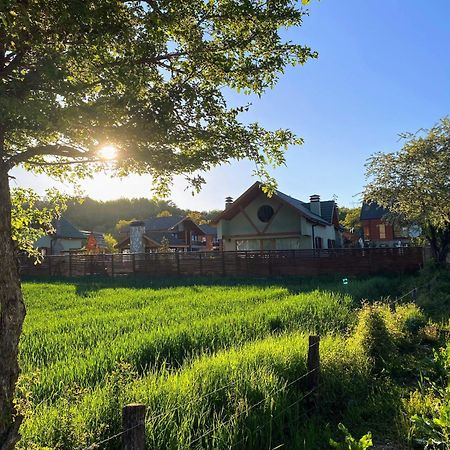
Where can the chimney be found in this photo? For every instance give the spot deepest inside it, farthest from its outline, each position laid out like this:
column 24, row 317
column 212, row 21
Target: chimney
column 315, row 204
column 228, row 202
column 137, row 230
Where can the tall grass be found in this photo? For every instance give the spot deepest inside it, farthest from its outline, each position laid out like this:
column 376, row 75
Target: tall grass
column 165, row 331
column 181, row 416
column 90, row 346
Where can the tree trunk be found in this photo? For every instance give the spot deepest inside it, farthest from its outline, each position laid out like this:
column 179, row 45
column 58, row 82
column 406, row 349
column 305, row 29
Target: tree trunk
column 440, row 244
column 12, row 314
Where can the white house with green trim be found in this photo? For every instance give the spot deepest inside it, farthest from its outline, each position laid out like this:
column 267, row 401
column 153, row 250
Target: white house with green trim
column 255, row 222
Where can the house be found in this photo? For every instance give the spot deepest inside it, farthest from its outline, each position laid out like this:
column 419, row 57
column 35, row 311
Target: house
column 176, row 233
column 378, row 232
column 209, row 239
column 256, row 222
column 67, row 238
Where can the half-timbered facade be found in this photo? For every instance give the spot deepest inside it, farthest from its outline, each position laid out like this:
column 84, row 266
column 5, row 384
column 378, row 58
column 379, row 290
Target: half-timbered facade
column 257, row 222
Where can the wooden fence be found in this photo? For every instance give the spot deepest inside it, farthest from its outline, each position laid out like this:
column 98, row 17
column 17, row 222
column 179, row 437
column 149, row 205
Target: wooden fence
column 267, row 263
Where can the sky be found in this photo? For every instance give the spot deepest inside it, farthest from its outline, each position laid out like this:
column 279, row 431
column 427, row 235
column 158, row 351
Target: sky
column 383, row 68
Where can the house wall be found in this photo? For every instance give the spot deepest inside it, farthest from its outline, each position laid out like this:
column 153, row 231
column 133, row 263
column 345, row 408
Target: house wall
column 372, row 234
column 286, row 224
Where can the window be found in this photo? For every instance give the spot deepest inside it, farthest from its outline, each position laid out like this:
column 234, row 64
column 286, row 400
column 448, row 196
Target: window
column 366, row 231
column 265, row 213
column 267, row 244
column 287, row 244
column 318, row 242
column 247, row 244
column 382, row 230
column 331, row 243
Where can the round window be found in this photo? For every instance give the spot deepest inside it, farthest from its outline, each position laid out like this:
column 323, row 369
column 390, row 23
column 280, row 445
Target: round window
column 265, row 213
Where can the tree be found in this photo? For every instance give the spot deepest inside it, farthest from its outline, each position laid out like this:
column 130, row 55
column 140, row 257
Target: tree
column 32, row 218
column 197, row 217
column 349, row 218
column 130, row 87
column 122, row 224
column 111, row 243
column 414, row 184
column 165, row 245
column 164, row 213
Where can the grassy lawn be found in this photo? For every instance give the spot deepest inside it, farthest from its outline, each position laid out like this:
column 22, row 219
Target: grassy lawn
column 216, row 360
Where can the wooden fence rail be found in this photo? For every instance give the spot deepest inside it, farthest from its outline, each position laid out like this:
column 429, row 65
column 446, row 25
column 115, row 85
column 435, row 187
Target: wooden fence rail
column 244, row 263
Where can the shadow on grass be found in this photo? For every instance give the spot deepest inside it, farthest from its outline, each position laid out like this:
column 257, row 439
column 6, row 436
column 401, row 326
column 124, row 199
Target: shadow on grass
column 359, row 288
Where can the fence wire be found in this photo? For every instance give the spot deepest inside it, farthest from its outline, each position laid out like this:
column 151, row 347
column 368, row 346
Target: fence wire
column 152, row 418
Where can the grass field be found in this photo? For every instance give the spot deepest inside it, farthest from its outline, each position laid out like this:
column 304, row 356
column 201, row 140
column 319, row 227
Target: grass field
column 214, row 361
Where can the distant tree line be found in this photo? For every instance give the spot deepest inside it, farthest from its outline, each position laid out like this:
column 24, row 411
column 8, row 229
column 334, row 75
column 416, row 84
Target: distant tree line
column 112, row 215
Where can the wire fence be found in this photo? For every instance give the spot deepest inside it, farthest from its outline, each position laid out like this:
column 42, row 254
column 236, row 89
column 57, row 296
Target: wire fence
column 152, row 418
column 149, row 418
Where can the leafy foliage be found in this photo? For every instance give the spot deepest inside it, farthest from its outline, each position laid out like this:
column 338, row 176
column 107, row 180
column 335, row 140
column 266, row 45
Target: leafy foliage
column 350, row 443
column 111, row 243
column 430, row 423
column 30, row 219
column 146, row 77
column 414, row 185
column 349, row 218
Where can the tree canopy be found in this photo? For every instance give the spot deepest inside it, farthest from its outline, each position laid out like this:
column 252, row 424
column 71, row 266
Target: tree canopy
column 414, row 184
column 349, row 218
column 146, row 77
column 131, row 87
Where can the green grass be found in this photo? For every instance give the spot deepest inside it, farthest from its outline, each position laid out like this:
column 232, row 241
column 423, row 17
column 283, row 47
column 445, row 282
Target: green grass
column 91, row 346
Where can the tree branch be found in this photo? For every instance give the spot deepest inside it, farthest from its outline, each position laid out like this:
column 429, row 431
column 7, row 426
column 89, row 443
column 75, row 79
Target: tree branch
column 50, row 150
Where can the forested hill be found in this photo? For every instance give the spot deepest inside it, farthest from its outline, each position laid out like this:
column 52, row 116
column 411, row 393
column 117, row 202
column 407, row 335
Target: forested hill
column 103, row 216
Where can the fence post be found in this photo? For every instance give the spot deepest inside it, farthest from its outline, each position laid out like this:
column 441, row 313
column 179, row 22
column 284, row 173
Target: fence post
column 177, row 256
column 70, row 264
column 312, row 379
column 200, row 262
column 50, row 266
column 133, row 260
column 223, row 264
column 112, row 265
column 133, row 426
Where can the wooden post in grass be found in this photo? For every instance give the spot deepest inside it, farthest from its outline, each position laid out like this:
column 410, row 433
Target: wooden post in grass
column 312, row 379
column 133, row 426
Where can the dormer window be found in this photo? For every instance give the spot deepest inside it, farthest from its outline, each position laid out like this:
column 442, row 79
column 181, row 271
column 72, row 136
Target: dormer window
column 265, row 213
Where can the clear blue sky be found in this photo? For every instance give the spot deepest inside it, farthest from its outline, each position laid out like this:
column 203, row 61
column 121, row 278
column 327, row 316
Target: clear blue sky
column 383, row 68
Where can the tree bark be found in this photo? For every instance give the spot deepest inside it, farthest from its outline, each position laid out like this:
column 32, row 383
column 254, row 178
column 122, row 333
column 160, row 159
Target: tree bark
column 12, row 314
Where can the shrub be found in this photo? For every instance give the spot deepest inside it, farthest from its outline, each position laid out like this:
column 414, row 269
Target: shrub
column 350, row 443
column 374, row 337
column 383, row 332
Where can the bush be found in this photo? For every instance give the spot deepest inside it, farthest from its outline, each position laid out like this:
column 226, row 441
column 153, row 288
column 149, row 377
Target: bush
column 383, row 332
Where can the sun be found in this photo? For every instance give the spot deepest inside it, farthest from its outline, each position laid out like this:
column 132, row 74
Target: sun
column 108, row 152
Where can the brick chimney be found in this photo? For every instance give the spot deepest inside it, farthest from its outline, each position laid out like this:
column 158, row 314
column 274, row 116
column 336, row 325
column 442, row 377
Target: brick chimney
column 137, row 230
column 228, row 202
column 315, row 204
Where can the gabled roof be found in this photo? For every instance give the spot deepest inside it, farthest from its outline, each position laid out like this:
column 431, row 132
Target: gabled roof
column 254, row 191
column 372, row 211
column 326, row 209
column 302, row 208
column 168, row 223
column 208, row 229
column 64, row 229
column 162, row 223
